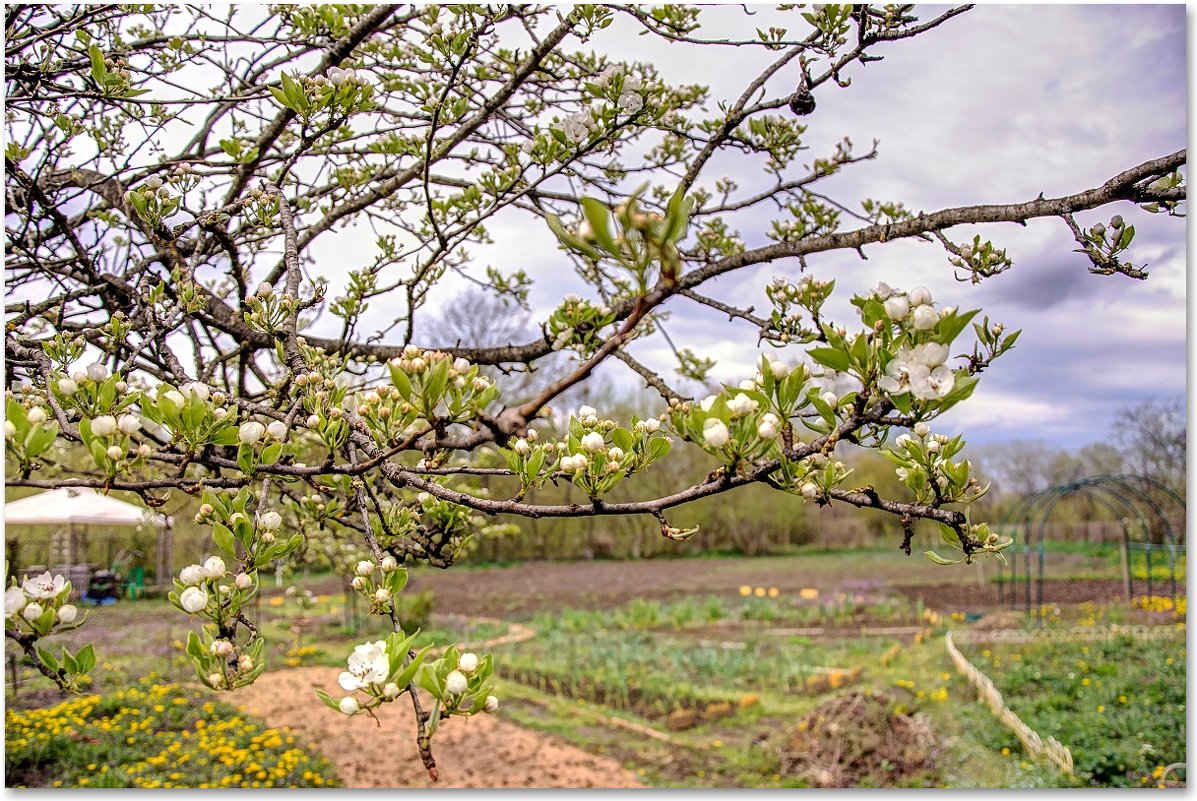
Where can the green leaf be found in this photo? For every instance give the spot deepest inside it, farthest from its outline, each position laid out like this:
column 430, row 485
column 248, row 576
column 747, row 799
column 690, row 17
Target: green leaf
column 271, row 453
column 47, row 658
column 328, row 700
column 86, row 658
column 831, row 357
column 948, row 328
column 939, row 560
column 599, row 217
column 223, row 537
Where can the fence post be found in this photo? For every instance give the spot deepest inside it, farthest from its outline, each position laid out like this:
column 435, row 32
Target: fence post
column 1126, row 576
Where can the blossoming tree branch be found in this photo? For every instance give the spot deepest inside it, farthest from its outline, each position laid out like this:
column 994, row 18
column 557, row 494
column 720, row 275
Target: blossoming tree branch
column 172, row 174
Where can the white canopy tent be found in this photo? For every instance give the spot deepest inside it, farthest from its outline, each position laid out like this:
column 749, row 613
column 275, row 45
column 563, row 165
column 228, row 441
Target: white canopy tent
column 78, row 507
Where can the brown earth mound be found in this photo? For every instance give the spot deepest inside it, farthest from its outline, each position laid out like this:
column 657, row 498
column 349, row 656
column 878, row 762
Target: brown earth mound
column 858, row 739
column 481, row 751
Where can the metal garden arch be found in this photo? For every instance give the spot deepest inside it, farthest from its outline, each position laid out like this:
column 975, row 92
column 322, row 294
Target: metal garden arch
column 1149, row 513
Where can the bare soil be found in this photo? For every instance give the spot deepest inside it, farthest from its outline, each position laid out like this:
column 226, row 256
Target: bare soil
column 962, row 597
column 550, row 586
column 480, row 751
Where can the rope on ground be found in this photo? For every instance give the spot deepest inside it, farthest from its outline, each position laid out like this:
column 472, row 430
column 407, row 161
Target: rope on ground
column 1052, row 750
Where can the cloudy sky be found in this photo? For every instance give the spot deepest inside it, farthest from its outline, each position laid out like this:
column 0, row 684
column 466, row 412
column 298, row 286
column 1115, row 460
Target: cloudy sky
column 998, row 105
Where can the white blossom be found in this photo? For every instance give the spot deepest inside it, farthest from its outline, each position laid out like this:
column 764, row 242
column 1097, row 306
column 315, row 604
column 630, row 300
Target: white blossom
column 67, row 386
column 214, row 567
column 715, row 432
column 809, row 490
column 250, row 432
column 115, row 452
column 14, row 601
column 706, row 403
column 922, row 429
column 197, row 390
column 43, row 586
column 32, row 612
column 742, row 405
column 897, row 307
column 933, row 446
column 521, row 446
column 193, row 600
column 271, row 520
column 364, row 568
column 175, row 397
column 586, row 411
column 456, row 683
column 67, row 613
column 648, row 426
column 368, row 664
column 97, row 372
column 10, row 430
column 104, row 425
column 277, row 429
column 630, row 101
column 128, row 424
column 36, row 415
column 593, row 442
column 192, row 575
column 919, row 296
column 467, row 663
column 768, row 426
column 925, row 318
column 389, row 564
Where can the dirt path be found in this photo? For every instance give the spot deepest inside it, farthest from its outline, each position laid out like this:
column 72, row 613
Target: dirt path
column 482, row 751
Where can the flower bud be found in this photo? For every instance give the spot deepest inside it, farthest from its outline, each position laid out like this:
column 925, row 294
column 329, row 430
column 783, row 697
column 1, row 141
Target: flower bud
column 10, row 430
column 277, row 429
column 215, row 679
column 364, row 568
column 810, row 490
column 593, row 442
column 492, row 704
column 128, row 424
column 267, row 537
column 102, row 426
column 456, row 683
column 313, row 421
column 67, row 386
column 922, row 429
column 715, row 432
column 193, row 600
column 349, row 705
column 222, row 648
column 245, row 663
column 467, row 663
column 192, row 574
column 388, row 564
column 271, row 520
column 214, row 567
column 243, row 581
column 144, row 450
column 67, row 613
column 97, row 372
column 250, row 432
column 115, row 452
column 390, row 691
column 37, row 415
column 34, row 610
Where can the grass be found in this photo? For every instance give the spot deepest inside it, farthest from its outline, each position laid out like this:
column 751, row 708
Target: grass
column 1119, row 705
column 153, row 735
